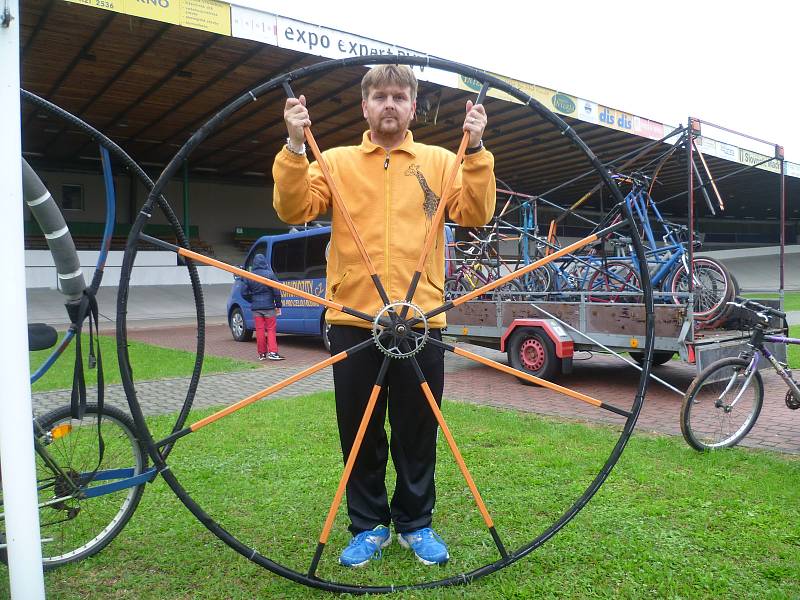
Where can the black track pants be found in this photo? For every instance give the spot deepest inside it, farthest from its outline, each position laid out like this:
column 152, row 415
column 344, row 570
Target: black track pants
column 413, row 432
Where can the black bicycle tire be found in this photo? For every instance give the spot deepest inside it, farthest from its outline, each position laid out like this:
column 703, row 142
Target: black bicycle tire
column 660, row 357
column 687, row 404
column 546, row 274
column 131, row 500
column 455, row 284
column 721, row 306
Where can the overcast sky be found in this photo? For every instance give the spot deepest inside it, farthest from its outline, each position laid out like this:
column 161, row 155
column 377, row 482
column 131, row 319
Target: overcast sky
column 731, row 63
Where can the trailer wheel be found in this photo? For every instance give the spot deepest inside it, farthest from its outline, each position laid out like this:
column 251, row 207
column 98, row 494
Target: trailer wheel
column 531, row 351
column 660, row 357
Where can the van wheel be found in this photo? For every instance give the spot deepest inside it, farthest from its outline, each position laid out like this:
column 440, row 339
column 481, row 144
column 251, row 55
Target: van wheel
column 530, row 350
column 239, row 330
column 324, row 329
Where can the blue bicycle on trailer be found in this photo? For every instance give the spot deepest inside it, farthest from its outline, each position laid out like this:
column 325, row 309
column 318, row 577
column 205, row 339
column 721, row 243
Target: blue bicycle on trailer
column 615, row 276
column 713, row 284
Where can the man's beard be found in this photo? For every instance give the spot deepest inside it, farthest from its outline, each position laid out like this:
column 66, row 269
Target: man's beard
column 389, row 125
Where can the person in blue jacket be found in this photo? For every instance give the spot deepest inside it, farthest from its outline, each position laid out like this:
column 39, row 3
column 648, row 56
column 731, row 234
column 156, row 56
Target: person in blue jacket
column 265, row 302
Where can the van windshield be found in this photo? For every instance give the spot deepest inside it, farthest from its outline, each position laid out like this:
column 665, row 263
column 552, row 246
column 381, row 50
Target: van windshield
column 301, row 258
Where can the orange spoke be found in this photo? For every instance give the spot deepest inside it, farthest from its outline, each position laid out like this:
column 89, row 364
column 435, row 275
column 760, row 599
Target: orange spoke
column 551, row 237
column 439, row 214
column 201, row 258
column 710, row 177
column 265, row 392
column 348, row 468
column 459, row 458
column 660, row 164
column 531, row 378
column 339, row 203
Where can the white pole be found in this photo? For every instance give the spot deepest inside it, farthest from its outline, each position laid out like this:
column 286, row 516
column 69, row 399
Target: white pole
column 16, row 433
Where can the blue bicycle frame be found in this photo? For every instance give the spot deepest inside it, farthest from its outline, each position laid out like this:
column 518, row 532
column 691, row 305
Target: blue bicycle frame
column 125, row 478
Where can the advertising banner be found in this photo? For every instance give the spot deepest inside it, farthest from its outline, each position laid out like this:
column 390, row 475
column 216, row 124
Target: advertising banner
column 615, row 119
column 748, row 157
column 330, row 43
column 255, row 25
column 208, row 15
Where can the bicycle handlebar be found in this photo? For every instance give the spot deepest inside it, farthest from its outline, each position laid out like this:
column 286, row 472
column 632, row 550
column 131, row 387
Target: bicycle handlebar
column 468, row 248
column 756, row 307
column 489, row 239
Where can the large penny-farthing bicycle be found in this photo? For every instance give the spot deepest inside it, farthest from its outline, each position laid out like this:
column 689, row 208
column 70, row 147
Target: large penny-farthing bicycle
column 399, row 329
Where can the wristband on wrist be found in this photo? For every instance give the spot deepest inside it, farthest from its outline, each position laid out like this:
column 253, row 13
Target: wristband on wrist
column 475, row 149
column 301, row 150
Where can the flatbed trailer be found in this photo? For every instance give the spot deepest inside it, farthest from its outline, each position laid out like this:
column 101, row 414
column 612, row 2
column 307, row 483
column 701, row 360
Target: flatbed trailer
column 541, row 337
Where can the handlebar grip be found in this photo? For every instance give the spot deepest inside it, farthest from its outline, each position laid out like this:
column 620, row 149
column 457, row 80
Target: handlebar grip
column 753, row 305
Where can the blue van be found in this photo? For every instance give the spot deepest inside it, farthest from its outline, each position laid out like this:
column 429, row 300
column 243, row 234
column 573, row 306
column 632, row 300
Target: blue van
column 298, row 260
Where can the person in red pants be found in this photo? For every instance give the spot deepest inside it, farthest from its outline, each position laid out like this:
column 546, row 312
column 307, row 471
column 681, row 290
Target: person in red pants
column 266, row 306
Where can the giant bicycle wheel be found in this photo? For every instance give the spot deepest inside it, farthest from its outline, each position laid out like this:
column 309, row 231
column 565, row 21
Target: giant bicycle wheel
column 395, row 334
column 113, row 150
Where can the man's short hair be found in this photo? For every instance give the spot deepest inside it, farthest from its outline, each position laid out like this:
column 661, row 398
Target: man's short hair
column 399, row 75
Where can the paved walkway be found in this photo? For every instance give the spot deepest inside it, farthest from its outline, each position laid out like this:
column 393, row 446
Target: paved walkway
column 604, row 377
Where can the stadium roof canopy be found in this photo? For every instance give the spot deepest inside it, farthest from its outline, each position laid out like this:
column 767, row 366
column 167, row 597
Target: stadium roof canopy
column 148, row 74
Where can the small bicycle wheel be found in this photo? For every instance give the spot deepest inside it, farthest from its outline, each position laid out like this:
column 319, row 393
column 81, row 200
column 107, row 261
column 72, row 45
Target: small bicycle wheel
column 713, row 287
column 455, row 287
column 511, row 290
column 614, row 283
column 721, row 405
column 539, row 280
column 74, row 526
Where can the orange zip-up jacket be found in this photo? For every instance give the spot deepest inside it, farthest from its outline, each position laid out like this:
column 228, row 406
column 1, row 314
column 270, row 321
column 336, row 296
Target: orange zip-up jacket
column 391, row 198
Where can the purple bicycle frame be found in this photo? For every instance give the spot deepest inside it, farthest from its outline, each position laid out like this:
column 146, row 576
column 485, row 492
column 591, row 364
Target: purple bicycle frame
column 779, row 368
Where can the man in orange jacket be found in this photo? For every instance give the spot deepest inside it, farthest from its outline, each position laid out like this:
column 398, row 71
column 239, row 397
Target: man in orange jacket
column 391, row 186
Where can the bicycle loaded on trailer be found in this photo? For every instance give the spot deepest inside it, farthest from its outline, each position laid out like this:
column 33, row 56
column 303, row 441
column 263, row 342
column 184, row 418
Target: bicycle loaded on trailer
column 723, row 402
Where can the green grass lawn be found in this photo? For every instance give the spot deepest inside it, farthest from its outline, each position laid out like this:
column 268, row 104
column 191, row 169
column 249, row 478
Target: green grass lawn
column 157, row 362
column 791, row 300
column 793, row 351
column 670, row 522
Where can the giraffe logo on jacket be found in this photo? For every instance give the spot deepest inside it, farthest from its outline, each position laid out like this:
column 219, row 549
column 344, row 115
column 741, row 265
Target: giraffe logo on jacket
column 431, row 201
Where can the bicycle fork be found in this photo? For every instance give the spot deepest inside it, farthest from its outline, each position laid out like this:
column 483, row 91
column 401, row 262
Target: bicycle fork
column 749, row 372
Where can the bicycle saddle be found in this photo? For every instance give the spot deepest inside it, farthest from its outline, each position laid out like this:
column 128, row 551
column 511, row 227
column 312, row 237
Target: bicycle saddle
column 41, row 336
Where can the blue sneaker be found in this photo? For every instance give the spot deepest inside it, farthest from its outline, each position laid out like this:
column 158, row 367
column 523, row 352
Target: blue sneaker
column 428, row 547
column 365, row 546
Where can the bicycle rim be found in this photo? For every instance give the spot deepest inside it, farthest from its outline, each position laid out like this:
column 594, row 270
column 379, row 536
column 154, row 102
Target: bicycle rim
column 722, row 406
column 73, row 528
